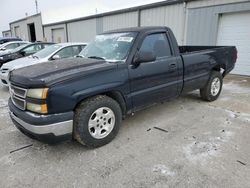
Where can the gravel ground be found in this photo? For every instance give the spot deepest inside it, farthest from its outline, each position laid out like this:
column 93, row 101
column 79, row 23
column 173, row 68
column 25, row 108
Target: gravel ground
column 201, row 145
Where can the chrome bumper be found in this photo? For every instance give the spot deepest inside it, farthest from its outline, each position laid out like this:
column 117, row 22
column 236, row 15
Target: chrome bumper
column 58, row 129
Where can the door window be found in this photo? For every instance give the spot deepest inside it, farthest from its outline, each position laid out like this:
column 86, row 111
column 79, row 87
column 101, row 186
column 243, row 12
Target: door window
column 33, row 49
column 65, row 52
column 11, row 46
column 76, row 50
column 158, row 43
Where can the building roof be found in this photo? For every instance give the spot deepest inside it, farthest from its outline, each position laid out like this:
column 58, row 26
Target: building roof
column 39, row 14
column 138, row 29
column 131, row 9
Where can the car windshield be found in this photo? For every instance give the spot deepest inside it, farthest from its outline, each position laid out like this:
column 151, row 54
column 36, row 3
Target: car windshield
column 19, row 48
column 47, row 51
column 111, row 47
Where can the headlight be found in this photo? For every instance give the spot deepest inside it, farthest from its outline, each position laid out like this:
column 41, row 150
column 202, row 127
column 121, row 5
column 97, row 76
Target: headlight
column 38, row 93
column 39, row 108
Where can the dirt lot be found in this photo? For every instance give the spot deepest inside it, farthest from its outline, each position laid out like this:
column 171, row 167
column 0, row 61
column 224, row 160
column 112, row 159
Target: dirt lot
column 203, row 145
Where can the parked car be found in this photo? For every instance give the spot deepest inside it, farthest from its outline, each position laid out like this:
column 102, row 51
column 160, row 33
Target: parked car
column 121, row 72
column 9, row 39
column 8, row 46
column 53, row 52
column 22, row 51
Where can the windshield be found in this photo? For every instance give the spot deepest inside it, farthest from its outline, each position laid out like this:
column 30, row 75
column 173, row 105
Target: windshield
column 47, row 51
column 111, row 47
column 19, row 48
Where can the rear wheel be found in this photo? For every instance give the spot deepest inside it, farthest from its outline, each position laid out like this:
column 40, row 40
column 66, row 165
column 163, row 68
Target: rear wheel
column 213, row 88
column 97, row 121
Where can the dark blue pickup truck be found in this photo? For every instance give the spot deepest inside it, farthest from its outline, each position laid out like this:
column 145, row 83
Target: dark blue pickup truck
column 122, row 71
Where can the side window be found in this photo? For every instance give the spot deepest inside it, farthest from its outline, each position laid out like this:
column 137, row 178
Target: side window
column 82, row 47
column 11, row 46
column 33, row 49
column 76, row 50
column 46, row 45
column 158, row 43
column 65, row 52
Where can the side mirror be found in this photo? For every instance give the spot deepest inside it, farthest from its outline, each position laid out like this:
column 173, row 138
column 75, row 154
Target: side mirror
column 144, row 57
column 55, row 57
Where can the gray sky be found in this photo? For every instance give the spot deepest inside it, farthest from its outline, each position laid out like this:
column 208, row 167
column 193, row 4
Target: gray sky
column 11, row 10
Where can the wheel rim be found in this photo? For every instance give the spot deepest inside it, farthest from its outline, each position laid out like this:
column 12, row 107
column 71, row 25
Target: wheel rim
column 215, row 86
column 101, row 122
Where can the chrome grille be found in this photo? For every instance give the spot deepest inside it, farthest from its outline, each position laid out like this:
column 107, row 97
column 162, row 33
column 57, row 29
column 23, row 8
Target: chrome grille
column 18, row 96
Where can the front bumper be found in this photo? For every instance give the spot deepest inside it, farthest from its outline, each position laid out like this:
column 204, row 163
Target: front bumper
column 46, row 128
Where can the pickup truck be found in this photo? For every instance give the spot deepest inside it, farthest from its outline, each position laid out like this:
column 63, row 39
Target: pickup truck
column 119, row 73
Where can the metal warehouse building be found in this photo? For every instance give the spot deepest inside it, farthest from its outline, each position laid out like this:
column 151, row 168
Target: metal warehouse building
column 29, row 28
column 194, row 22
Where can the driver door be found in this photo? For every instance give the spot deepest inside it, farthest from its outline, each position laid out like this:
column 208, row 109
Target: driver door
column 154, row 81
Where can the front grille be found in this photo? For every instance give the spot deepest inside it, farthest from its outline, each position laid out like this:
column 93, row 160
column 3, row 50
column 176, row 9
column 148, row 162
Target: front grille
column 18, row 96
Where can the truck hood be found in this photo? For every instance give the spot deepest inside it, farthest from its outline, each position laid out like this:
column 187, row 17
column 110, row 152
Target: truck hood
column 20, row 63
column 49, row 73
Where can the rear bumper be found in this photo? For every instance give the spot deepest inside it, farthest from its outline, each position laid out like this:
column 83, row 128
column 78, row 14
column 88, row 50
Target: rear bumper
column 46, row 128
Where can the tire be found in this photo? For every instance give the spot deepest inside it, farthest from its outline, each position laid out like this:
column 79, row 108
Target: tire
column 213, row 88
column 97, row 121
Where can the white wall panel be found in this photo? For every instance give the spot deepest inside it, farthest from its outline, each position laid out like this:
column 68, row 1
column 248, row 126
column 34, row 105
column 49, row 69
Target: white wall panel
column 82, row 31
column 172, row 16
column 118, row 21
column 48, row 31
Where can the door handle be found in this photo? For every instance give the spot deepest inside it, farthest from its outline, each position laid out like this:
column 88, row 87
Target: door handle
column 173, row 66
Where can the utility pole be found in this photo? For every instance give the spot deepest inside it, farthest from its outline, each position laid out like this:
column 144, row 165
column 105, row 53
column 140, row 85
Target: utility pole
column 36, row 6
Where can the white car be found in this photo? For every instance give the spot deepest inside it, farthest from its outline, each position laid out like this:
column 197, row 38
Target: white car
column 8, row 46
column 53, row 52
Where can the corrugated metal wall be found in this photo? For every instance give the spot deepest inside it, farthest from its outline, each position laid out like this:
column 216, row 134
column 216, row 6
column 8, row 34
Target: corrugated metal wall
column 172, row 16
column 203, row 3
column 82, row 31
column 6, row 33
column 202, row 23
column 23, row 26
column 23, row 30
column 48, row 31
column 129, row 19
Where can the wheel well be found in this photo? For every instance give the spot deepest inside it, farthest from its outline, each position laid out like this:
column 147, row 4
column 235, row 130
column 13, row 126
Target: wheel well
column 219, row 68
column 115, row 95
column 118, row 97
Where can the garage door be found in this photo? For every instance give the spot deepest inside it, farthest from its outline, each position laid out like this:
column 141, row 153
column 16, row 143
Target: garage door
column 58, row 35
column 234, row 29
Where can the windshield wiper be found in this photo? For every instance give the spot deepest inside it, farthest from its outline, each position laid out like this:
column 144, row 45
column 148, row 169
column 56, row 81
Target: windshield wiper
column 96, row 57
column 79, row 56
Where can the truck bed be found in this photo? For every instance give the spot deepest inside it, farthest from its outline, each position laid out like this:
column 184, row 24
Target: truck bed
column 193, row 49
column 199, row 60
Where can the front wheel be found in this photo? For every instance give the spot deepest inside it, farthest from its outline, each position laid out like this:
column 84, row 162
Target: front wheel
column 97, row 121
column 213, row 88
